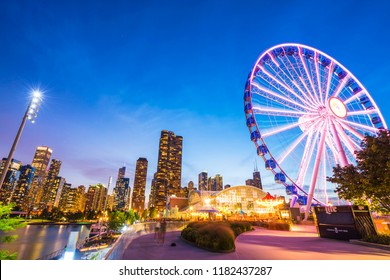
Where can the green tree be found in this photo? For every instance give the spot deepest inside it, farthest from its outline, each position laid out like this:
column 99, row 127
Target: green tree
column 116, row 220
column 145, row 214
column 8, row 224
column 369, row 180
column 152, row 213
column 131, row 216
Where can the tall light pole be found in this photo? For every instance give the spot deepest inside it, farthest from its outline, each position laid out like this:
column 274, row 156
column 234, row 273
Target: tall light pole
column 31, row 114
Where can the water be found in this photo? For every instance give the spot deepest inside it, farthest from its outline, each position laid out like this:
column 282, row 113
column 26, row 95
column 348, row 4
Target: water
column 37, row 241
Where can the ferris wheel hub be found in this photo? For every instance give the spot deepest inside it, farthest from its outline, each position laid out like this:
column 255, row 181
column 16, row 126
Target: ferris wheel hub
column 337, row 107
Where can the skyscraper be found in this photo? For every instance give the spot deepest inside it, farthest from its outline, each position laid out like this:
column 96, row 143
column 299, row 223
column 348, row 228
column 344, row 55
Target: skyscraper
column 168, row 176
column 138, row 200
column 121, row 190
column 40, row 163
column 23, row 186
column 95, row 198
column 218, row 182
column 10, row 180
column 51, row 188
column 257, row 179
column 202, row 181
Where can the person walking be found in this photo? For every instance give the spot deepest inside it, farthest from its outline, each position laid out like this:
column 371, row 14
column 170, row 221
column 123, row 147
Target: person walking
column 163, row 230
column 157, row 231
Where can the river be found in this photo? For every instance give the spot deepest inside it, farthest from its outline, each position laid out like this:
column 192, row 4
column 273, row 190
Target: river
column 38, row 241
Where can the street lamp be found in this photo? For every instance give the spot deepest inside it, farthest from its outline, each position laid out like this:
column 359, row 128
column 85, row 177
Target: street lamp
column 31, row 114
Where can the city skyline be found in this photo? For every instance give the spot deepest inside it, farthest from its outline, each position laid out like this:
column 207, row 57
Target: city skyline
column 115, row 75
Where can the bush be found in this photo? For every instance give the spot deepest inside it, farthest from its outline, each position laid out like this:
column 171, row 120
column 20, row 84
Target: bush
column 240, row 227
column 216, row 236
column 380, row 239
column 279, row 226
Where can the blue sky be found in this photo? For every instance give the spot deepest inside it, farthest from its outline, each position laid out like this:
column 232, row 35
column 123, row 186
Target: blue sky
column 116, row 73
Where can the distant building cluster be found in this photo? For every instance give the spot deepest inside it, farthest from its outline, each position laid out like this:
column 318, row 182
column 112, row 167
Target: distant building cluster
column 38, row 186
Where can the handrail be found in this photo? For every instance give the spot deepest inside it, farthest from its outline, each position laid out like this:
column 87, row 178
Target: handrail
column 53, row 255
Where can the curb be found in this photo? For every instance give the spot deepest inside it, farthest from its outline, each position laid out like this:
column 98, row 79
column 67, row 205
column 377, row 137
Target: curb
column 370, row 244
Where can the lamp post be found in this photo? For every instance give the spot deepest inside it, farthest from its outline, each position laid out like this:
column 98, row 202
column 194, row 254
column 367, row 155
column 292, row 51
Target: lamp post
column 31, row 114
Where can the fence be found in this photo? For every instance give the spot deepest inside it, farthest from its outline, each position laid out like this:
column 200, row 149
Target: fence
column 134, row 231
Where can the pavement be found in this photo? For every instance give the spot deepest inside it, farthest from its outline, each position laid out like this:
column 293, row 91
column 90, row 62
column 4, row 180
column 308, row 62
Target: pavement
column 301, row 243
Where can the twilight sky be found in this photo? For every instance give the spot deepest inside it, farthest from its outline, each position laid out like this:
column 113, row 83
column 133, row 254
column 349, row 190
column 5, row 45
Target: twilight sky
column 116, row 73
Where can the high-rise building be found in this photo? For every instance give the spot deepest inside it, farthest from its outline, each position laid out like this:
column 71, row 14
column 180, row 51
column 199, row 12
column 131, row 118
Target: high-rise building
column 249, row 182
column 40, row 163
column 138, row 199
column 257, row 179
column 51, row 188
column 211, row 184
column 80, row 199
column 202, row 181
column 152, row 195
column 95, row 198
column 168, row 176
column 67, row 200
column 121, row 190
column 23, row 185
column 10, row 180
column 218, row 182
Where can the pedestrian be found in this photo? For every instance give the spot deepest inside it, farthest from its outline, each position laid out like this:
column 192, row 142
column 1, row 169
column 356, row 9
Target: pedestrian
column 157, row 230
column 163, row 229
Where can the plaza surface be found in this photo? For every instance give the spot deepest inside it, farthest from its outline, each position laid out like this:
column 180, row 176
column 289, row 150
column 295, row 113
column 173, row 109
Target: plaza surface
column 302, row 243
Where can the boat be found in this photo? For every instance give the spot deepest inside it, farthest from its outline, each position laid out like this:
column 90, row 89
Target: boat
column 97, row 230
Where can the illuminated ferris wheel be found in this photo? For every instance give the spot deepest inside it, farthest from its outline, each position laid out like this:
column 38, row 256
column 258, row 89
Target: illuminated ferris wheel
column 306, row 113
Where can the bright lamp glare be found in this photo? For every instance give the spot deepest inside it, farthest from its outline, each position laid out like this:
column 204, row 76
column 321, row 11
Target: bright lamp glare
column 37, row 94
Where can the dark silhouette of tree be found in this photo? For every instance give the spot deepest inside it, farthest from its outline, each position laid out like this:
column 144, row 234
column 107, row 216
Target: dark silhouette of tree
column 368, row 181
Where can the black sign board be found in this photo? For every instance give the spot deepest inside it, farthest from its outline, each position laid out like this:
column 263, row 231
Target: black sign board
column 344, row 222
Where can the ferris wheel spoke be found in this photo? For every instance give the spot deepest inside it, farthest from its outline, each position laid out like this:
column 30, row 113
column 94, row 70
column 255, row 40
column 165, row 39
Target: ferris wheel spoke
column 340, row 86
column 276, row 96
column 329, row 79
column 285, row 87
column 354, row 97
column 316, row 167
column 278, row 112
column 352, row 130
column 355, row 146
column 332, row 147
column 362, row 126
column 294, row 145
column 302, row 91
column 362, row 112
column 285, row 128
column 309, row 78
column 340, row 150
column 306, row 158
column 318, row 78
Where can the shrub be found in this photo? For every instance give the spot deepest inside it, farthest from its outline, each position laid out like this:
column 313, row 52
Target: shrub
column 279, row 226
column 240, row 227
column 215, row 237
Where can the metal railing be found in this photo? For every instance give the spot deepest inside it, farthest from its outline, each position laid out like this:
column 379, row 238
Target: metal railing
column 118, row 248
column 54, row 255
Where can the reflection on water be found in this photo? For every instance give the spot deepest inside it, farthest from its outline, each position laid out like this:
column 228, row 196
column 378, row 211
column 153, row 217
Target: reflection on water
column 37, row 241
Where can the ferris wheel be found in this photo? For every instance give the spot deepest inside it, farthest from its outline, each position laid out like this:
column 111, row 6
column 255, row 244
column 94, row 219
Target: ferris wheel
column 306, row 113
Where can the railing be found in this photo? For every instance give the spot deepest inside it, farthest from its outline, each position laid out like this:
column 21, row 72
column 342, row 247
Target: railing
column 54, row 255
column 134, row 231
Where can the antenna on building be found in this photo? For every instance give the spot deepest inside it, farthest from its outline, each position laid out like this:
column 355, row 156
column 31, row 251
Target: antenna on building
column 108, row 189
column 255, row 166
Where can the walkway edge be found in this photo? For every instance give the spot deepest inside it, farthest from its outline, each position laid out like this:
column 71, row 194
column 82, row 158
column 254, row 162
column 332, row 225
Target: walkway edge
column 370, row 244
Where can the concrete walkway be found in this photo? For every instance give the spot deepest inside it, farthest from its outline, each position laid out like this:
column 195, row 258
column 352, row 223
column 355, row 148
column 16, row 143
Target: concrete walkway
column 302, row 243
